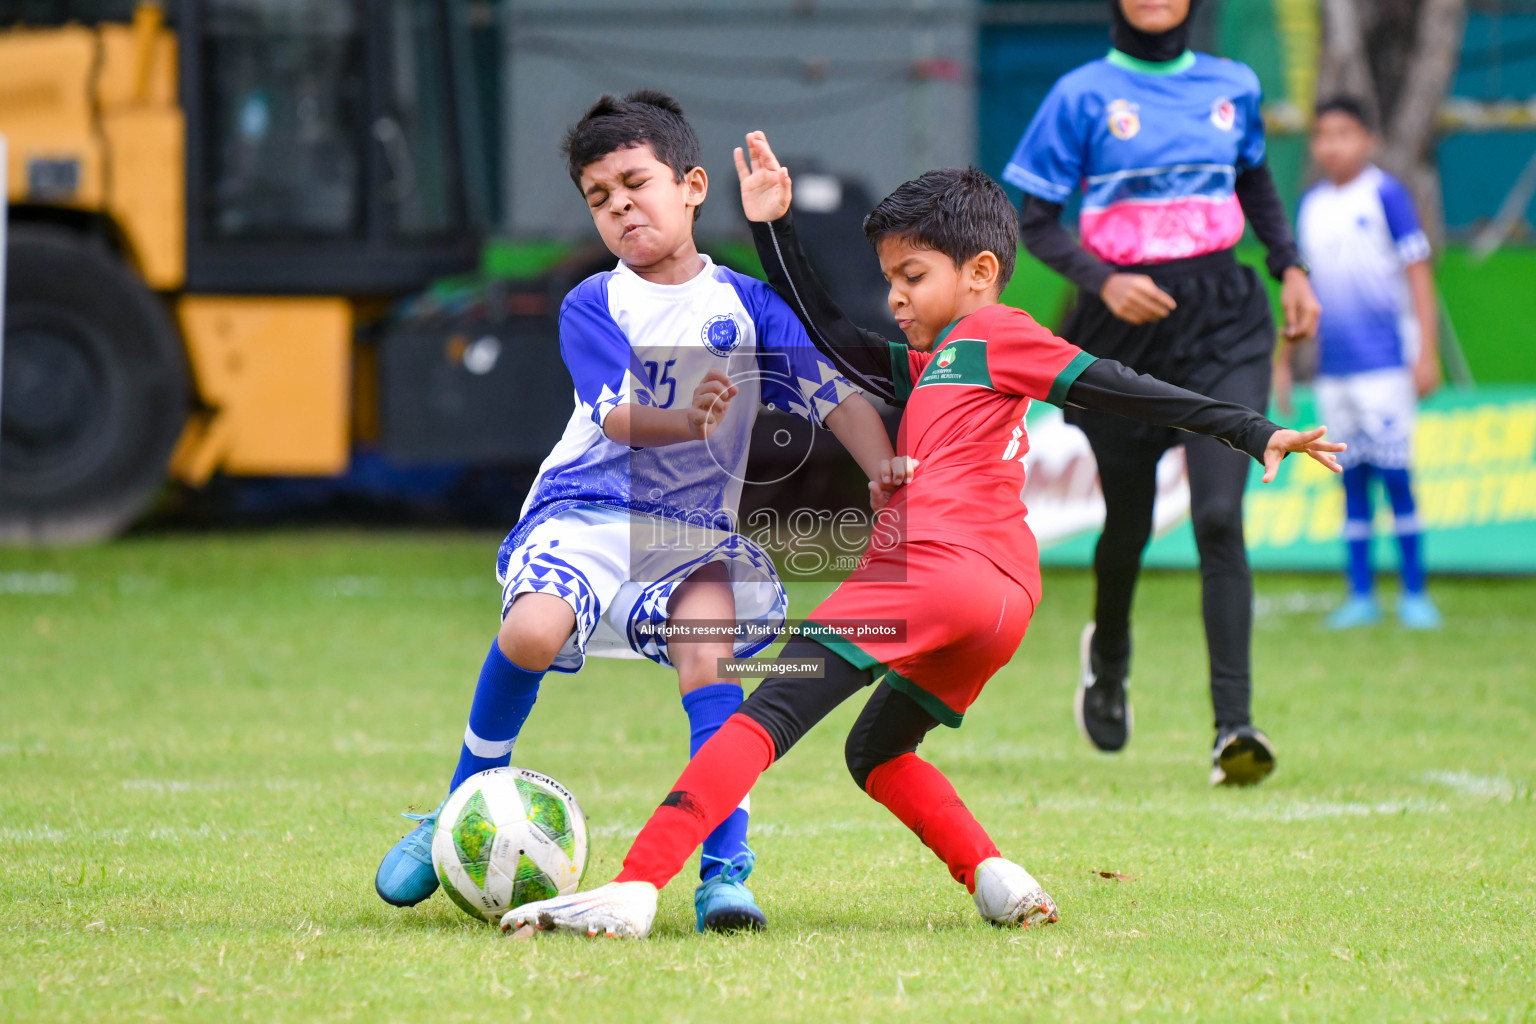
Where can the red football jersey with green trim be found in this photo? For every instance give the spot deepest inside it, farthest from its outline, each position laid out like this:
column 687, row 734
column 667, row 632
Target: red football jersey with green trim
column 964, row 423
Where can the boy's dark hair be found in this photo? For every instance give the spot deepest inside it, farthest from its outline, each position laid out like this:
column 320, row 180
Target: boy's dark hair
column 1349, row 106
column 646, row 116
column 957, row 211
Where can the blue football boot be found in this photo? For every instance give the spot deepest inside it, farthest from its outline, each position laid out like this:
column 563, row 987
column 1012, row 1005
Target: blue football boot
column 723, row 903
column 1417, row 611
column 405, row 875
column 1357, row 610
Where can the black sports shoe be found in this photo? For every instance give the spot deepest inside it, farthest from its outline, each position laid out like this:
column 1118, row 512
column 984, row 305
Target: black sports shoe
column 1241, row 757
column 1101, row 707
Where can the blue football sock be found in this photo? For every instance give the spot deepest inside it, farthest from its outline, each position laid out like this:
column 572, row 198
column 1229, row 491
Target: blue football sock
column 503, row 699
column 708, row 707
column 1357, row 529
column 1405, row 521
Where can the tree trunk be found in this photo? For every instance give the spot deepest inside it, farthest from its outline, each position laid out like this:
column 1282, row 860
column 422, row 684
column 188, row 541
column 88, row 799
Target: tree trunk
column 1344, row 69
column 1413, row 131
column 1398, row 56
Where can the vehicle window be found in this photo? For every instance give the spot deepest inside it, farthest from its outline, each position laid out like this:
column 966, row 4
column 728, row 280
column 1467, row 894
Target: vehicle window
column 285, row 112
column 421, row 165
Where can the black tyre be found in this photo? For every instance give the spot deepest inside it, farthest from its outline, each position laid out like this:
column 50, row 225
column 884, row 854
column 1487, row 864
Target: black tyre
column 95, row 390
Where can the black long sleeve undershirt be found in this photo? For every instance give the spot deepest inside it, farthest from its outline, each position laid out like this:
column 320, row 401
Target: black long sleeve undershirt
column 865, row 358
column 1260, row 200
column 1108, row 386
column 1048, row 240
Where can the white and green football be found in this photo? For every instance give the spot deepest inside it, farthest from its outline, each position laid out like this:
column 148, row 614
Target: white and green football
column 506, row 837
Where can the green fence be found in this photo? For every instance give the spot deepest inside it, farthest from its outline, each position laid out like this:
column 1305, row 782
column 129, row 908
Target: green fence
column 1475, row 477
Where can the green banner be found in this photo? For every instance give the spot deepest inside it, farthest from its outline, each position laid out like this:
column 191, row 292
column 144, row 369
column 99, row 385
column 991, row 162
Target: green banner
column 1474, row 476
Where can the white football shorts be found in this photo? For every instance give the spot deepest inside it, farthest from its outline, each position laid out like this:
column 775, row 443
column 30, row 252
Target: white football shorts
column 1372, row 412
column 617, row 569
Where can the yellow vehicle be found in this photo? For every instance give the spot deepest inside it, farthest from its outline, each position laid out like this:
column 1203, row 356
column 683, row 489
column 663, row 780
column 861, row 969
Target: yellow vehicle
column 205, row 203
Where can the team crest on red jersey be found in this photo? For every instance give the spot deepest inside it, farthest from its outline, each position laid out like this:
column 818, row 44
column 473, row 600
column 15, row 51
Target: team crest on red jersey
column 1124, row 122
column 1224, row 114
column 946, row 357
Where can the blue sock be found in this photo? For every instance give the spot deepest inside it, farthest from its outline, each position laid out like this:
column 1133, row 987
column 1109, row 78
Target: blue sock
column 1406, row 524
column 1357, row 529
column 708, row 707
column 503, row 699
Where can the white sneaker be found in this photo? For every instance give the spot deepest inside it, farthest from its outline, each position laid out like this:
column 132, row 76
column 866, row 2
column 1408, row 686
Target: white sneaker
column 1006, row 894
column 616, row 909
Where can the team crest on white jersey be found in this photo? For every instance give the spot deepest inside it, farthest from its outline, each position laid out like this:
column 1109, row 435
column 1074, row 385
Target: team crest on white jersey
column 721, row 334
column 1124, row 122
column 1224, row 114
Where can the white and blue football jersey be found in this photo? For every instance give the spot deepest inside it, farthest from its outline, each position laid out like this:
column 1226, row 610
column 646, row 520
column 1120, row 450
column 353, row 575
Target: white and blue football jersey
column 629, row 340
column 1358, row 238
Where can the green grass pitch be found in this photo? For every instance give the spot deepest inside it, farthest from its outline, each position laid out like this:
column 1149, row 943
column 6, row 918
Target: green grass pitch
column 205, row 743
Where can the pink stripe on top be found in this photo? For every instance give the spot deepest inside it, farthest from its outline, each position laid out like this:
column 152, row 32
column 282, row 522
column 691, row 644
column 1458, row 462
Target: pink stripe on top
column 1128, row 233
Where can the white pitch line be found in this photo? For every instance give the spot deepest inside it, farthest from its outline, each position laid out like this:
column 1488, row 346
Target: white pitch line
column 214, row 785
column 1483, row 787
column 1315, row 810
column 1296, row 602
column 451, row 588
column 36, row 583
column 160, row 833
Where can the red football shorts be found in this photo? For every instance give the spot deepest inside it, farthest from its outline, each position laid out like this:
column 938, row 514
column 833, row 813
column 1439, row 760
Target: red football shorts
column 942, row 624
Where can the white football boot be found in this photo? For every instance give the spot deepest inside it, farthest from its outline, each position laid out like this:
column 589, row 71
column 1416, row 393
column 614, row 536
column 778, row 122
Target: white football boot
column 618, row 909
column 1007, row 895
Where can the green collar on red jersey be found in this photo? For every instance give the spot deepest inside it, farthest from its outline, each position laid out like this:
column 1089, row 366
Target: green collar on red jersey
column 944, row 334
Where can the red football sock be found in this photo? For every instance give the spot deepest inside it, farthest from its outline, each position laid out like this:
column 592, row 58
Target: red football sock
column 919, row 794
column 710, row 788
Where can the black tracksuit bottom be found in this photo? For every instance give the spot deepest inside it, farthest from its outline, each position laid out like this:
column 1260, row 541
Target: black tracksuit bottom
column 1218, row 342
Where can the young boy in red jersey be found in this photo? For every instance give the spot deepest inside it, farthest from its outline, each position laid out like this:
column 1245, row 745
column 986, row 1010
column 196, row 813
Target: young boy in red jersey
column 953, row 562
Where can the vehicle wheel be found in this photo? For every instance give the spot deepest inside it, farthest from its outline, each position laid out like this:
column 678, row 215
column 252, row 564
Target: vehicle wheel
column 95, row 390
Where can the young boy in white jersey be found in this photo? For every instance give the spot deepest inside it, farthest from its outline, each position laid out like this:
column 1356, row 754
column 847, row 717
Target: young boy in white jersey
column 1377, row 345
column 630, row 523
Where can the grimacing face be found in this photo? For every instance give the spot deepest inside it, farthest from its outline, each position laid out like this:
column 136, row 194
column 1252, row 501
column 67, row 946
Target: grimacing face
column 928, row 291
column 641, row 212
column 1155, row 15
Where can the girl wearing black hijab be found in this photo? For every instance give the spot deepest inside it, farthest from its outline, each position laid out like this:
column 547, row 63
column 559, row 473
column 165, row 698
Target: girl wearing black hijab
column 1167, row 146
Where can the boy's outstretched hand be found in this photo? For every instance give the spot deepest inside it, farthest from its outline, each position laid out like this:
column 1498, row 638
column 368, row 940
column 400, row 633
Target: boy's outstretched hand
column 711, row 401
column 1282, row 442
column 765, row 186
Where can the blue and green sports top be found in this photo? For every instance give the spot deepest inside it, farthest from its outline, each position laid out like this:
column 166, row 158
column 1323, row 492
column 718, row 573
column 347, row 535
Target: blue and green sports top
column 1155, row 149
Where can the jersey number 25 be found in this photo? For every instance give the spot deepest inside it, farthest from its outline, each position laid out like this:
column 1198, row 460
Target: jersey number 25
column 661, row 373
